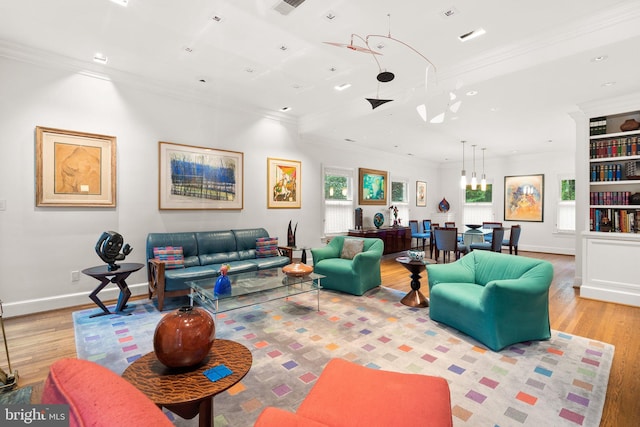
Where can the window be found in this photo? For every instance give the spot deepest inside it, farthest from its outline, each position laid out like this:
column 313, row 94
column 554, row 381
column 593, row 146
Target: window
column 399, row 197
column 566, row 220
column 478, row 205
column 338, row 200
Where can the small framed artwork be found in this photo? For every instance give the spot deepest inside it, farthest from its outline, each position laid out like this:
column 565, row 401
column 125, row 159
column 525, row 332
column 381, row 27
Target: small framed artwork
column 421, row 193
column 199, row 178
column 372, row 189
column 75, row 168
column 524, row 198
column 284, row 184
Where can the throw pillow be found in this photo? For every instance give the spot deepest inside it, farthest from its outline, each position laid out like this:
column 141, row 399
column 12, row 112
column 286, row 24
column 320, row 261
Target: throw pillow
column 266, row 247
column 351, row 248
column 172, row 256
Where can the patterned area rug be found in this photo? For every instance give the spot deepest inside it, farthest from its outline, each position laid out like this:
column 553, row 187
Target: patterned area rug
column 19, row 396
column 560, row 382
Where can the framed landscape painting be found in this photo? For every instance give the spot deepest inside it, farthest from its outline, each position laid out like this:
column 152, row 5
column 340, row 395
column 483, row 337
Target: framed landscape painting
column 75, row 168
column 421, row 193
column 372, row 188
column 284, row 183
column 199, row 177
column 524, row 198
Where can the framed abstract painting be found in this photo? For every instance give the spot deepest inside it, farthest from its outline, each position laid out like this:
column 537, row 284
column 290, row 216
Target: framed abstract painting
column 199, row 178
column 284, row 184
column 75, row 168
column 524, row 198
column 372, row 188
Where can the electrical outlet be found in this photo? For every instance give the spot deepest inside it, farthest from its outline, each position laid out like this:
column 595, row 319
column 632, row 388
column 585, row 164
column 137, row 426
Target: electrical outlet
column 75, row 276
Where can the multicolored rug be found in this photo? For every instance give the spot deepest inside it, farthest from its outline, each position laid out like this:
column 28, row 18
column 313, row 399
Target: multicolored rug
column 560, row 382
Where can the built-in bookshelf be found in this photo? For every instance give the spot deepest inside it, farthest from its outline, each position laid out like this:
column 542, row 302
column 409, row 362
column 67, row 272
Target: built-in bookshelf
column 610, row 160
column 614, row 166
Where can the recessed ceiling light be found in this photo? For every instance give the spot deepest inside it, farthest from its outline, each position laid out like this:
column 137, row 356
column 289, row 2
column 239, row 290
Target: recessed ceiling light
column 202, row 80
column 450, row 12
column 608, row 84
column 472, row 93
column 100, row 58
column 350, row 140
column 342, row 86
column 283, row 109
column 249, row 70
column 217, row 18
column 330, row 16
column 472, row 35
column 121, row 2
column 188, row 49
column 283, row 48
column 599, row 58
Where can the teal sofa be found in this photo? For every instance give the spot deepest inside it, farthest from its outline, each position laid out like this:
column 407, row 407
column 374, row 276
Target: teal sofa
column 203, row 253
column 498, row 299
column 355, row 276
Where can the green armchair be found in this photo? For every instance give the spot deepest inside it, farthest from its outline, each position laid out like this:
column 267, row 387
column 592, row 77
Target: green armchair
column 355, row 276
column 497, row 299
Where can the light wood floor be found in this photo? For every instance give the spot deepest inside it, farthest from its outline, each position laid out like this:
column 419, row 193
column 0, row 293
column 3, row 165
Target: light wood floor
column 37, row 340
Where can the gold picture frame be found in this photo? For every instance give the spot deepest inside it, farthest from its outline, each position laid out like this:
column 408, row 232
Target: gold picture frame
column 75, row 168
column 284, row 184
column 201, row 178
column 372, row 188
column 524, row 198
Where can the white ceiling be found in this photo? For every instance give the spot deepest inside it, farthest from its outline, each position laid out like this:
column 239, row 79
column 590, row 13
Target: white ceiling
column 532, row 68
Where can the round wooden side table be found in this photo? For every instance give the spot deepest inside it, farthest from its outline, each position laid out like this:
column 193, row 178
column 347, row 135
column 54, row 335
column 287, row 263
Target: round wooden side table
column 187, row 391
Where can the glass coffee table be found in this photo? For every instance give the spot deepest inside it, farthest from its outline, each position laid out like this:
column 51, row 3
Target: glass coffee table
column 252, row 288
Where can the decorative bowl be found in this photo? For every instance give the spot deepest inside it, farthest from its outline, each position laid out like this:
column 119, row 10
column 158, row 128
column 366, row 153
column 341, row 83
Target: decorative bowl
column 415, row 255
column 473, row 226
column 297, row 270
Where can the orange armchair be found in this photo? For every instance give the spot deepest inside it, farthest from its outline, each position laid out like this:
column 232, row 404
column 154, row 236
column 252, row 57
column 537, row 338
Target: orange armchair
column 347, row 394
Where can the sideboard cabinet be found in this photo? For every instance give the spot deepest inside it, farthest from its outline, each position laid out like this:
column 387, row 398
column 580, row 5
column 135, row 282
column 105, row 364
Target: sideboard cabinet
column 396, row 239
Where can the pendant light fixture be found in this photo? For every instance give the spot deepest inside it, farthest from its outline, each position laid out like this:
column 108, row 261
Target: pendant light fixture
column 483, row 181
column 474, row 180
column 463, row 177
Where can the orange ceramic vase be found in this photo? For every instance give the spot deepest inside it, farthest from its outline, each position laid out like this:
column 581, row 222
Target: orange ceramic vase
column 184, row 337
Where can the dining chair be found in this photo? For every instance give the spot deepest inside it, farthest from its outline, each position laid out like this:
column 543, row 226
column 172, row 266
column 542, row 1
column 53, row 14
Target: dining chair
column 416, row 234
column 432, row 238
column 487, row 225
column 496, row 242
column 450, row 224
column 446, row 239
column 514, row 237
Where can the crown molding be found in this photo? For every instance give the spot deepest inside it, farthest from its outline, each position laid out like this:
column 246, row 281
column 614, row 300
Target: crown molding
column 614, row 24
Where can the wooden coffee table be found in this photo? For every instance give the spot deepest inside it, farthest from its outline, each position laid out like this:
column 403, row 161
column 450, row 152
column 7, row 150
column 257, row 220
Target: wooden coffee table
column 187, row 391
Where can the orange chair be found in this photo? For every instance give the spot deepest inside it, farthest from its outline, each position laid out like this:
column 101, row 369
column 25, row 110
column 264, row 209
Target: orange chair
column 98, row 397
column 347, row 394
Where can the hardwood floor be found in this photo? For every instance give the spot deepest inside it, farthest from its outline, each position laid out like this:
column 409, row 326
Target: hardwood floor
column 37, row 340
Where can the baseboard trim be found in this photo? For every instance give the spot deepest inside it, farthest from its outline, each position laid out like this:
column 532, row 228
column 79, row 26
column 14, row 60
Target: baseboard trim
column 21, row 308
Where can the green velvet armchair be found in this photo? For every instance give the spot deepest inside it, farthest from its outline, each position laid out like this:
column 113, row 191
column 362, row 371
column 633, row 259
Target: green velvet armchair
column 355, row 276
column 497, row 299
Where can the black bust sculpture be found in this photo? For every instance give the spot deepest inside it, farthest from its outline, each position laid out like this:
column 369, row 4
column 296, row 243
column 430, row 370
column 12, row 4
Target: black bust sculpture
column 108, row 249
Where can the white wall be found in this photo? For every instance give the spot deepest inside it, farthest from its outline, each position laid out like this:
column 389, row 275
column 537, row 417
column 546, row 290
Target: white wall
column 39, row 247
column 536, row 236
